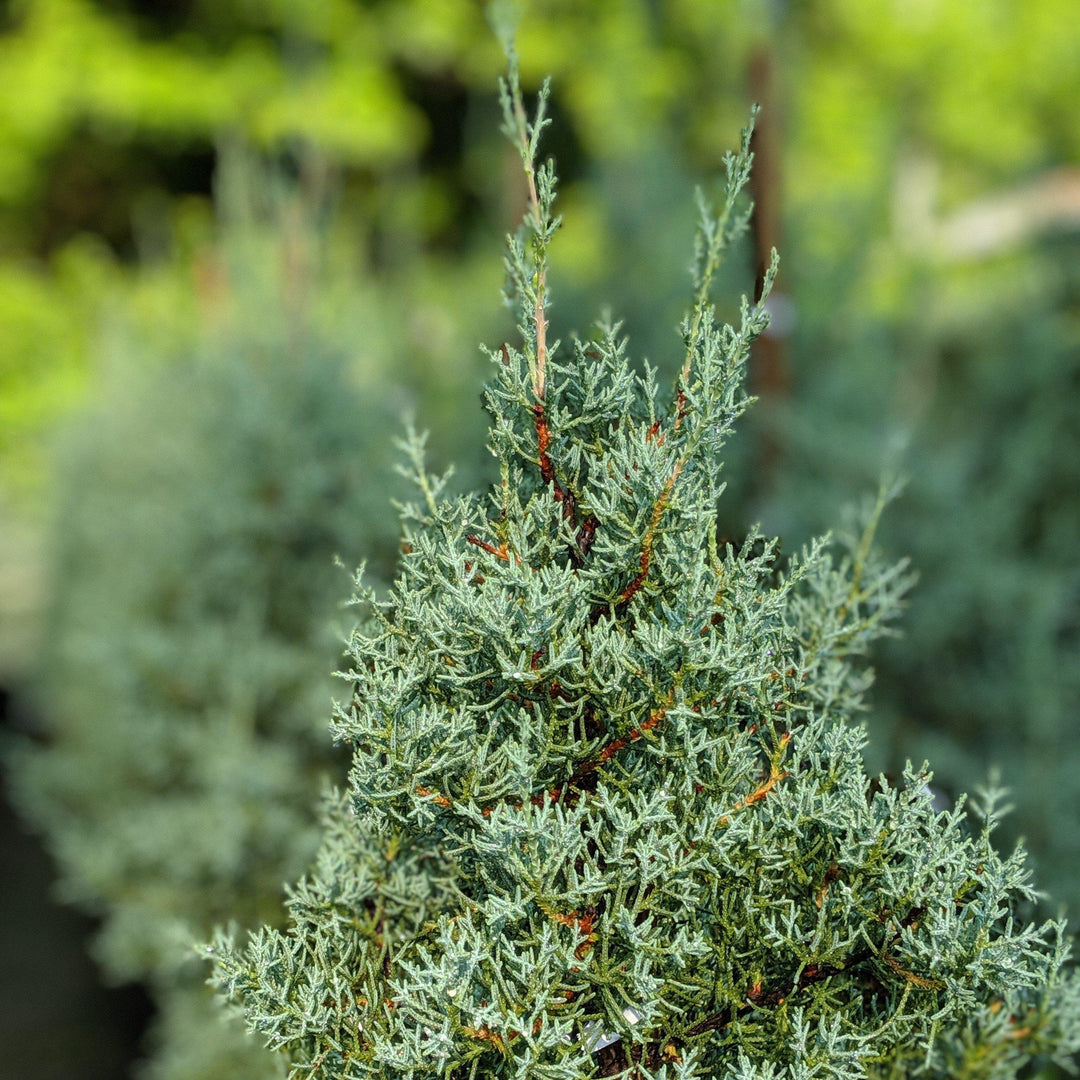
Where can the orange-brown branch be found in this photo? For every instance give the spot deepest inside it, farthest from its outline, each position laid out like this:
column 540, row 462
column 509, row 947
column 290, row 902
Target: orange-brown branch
column 438, row 800
column 587, row 768
column 776, row 775
column 650, row 537
column 681, row 403
column 485, row 1034
column 499, row 552
column 543, row 440
column 613, row 748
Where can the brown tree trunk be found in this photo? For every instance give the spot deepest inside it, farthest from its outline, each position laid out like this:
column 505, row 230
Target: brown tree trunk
column 770, row 373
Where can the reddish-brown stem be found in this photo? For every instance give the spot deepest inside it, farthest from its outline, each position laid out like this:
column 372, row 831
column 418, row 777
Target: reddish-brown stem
column 680, row 403
column 587, row 768
column 759, row 793
column 543, row 440
column 438, row 800
column 499, row 552
column 650, row 537
column 587, row 534
column 776, row 774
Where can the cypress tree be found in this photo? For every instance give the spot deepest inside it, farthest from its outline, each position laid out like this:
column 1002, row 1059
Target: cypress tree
column 608, row 812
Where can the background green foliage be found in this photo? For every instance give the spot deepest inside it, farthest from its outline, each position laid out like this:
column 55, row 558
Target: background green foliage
column 902, row 129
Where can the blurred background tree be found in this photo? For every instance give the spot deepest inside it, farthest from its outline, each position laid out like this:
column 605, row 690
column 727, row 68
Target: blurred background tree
column 202, row 499
column 919, row 167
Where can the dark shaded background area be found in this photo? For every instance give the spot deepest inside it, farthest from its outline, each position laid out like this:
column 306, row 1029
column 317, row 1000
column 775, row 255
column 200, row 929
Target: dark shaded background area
column 59, row 1022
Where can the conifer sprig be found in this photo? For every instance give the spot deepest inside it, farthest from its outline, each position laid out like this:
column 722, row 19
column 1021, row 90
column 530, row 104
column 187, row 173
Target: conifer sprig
column 541, row 183
column 608, row 813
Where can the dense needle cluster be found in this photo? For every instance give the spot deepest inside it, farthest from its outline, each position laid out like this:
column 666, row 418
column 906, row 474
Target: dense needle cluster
column 608, row 813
